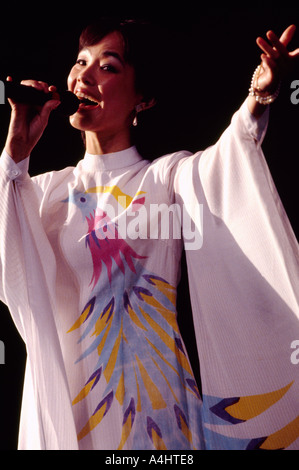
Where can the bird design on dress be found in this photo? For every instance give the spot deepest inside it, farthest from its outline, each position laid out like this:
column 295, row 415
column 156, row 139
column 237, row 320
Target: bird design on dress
column 130, row 321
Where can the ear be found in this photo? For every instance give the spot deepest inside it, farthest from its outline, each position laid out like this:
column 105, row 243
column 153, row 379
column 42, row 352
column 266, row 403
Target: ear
column 145, row 105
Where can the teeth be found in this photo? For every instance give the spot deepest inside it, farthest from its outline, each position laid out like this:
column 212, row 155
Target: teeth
column 83, row 96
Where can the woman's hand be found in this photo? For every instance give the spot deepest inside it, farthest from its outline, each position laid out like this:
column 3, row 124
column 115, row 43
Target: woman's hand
column 276, row 63
column 28, row 122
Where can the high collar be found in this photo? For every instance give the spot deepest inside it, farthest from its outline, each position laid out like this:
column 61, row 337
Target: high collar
column 111, row 161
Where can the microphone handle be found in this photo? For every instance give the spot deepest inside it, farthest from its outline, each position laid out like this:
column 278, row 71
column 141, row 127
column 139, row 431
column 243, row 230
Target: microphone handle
column 26, row 94
column 29, row 95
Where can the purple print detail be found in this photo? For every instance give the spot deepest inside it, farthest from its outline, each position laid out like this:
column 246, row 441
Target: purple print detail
column 96, row 374
column 180, row 415
column 179, row 344
column 220, row 410
column 89, row 305
column 126, row 301
column 151, row 425
column 141, row 290
column 110, row 306
column 107, row 401
column 149, row 278
column 193, row 385
column 130, row 411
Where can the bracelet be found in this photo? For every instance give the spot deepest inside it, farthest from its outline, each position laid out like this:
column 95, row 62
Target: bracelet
column 256, row 91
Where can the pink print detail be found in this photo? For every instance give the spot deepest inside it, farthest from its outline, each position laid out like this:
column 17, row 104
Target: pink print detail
column 106, row 245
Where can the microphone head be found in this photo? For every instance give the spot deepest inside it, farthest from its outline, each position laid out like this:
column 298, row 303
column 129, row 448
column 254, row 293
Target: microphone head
column 69, row 103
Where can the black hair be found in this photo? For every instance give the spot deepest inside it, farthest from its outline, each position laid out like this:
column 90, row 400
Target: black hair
column 140, row 49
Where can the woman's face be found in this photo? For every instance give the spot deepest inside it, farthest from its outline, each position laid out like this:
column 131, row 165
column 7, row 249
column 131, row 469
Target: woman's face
column 102, row 76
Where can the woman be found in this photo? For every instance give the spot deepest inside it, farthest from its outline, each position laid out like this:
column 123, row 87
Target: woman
column 90, row 263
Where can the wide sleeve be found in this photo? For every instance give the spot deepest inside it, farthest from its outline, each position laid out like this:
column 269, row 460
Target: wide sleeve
column 11, row 252
column 243, row 279
column 28, row 274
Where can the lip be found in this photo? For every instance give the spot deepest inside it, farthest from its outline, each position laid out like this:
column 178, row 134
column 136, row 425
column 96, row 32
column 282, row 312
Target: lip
column 83, row 94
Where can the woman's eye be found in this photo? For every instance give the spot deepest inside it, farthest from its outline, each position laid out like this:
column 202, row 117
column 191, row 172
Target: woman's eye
column 81, row 62
column 108, row 68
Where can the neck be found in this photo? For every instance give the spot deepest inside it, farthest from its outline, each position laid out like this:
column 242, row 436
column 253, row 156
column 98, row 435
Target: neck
column 97, row 144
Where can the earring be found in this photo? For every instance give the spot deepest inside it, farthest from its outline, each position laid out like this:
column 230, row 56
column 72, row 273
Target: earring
column 138, row 108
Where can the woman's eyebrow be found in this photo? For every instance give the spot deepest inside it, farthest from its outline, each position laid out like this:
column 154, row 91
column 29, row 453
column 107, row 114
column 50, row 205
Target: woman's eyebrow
column 113, row 54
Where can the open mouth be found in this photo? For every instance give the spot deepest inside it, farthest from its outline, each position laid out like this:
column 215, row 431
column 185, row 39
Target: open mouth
column 87, row 102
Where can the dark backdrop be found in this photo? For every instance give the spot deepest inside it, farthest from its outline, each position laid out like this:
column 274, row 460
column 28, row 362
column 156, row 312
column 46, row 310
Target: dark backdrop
column 215, row 55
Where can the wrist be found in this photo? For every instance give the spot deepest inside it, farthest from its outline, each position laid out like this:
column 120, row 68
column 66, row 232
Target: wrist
column 255, row 108
column 17, row 149
column 261, row 96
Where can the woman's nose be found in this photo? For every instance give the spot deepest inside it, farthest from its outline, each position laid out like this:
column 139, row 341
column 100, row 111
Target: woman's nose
column 87, row 76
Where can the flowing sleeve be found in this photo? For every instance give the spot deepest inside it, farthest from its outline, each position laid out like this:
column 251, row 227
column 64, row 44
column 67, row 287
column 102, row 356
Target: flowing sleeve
column 243, row 280
column 28, row 273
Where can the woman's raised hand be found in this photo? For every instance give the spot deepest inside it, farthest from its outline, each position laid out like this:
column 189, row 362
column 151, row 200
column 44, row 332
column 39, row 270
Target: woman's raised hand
column 276, row 63
column 28, row 122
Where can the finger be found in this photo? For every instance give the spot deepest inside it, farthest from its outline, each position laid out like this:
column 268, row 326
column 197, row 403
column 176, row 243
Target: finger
column 288, row 34
column 53, row 90
column 48, row 107
column 266, row 48
column 294, row 53
column 42, row 86
column 280, row 47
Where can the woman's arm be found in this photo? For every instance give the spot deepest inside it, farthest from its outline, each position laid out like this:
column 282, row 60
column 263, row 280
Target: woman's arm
column 276, row 63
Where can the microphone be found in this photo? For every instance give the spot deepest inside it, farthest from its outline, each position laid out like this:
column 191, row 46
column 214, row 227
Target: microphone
column 29, row 95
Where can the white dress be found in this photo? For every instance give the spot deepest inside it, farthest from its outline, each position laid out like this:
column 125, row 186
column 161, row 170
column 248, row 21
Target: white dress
column 90, row 262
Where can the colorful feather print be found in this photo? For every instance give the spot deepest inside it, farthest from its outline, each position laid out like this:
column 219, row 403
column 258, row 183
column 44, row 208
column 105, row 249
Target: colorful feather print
column 229, row 417
column 129, row 320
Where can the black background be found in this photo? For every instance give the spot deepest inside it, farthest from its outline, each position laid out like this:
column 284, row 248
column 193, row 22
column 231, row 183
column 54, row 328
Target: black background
column 215, row 55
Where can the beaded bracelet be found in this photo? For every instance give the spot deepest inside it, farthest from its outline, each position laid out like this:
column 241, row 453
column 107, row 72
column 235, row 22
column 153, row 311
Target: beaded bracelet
column 254, row 91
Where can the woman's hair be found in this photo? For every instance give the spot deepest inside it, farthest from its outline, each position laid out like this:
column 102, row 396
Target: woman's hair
column 140, row 41
column 152, row 50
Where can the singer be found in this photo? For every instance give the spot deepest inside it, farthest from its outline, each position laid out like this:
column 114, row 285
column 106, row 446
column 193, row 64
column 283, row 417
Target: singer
column 107, row 366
